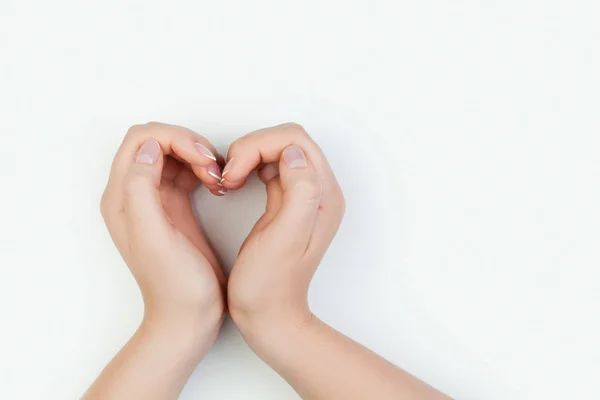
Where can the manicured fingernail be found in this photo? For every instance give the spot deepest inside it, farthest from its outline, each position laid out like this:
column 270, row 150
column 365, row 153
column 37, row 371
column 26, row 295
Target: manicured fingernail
column 148, row 152
column 227, row 168
column 205, row 151
column 294, row 157
column 214, row 171
column 219, row 183
column 223, row 191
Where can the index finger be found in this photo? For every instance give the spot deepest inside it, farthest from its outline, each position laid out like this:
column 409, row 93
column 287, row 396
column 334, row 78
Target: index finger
column 265, row 146
column 174, row 140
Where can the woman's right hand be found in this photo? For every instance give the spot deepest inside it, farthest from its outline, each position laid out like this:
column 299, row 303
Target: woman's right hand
column 270, row 278
column 268, row 285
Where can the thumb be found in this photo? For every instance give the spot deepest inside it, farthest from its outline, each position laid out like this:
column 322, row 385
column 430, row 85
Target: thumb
column 142, row 203
column 302, row 192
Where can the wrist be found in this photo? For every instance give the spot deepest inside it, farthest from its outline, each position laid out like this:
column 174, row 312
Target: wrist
column 261, row 329
column 285, row 343
column 194, row 328
column 205, row 310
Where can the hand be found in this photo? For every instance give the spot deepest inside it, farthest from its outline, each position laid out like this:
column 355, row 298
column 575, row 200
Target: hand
column 270, row 278
column 268, row 285
column 147, row 209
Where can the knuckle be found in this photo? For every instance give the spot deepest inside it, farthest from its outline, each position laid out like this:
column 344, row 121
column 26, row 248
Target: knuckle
column 198, row 137
column 135, row 130
column 236, row 145
column 142, row 129
column 152, row 124
column 296, row 128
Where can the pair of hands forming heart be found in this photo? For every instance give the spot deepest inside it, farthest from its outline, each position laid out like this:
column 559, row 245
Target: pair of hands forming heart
column 148, row 212
column 147, row 209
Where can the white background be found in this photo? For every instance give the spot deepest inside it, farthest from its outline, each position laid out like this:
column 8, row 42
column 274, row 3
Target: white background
column 465, row 134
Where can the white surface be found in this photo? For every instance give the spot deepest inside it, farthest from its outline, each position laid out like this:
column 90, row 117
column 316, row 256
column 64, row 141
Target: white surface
column 465, row 134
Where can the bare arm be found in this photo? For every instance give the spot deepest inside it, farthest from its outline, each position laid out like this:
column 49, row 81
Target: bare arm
column 321, row 363
column 269, row 283
column 146, row 207
column 157, row 361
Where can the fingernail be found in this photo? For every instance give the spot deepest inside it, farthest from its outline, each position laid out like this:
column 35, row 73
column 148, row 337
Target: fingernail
column 294, row 157
column 205, row 151
column 214, row 171
column 219, row 183
column 223, row 191
column 148, row 152
column 227, row 168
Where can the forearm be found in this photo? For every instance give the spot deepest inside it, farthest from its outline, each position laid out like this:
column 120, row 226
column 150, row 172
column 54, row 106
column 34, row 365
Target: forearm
column 321, row 363
column 156, row 362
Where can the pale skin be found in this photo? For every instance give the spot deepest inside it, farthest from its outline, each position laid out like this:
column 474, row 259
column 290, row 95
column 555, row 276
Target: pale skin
column 147, row 210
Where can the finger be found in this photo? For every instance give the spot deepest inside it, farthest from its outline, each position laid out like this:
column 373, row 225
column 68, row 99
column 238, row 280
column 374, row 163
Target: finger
column 185, row 179
column 220, row 160
column 184, row 219
column 171, row 169
column 144, row 213
column 177, row 141
column 217, row 190
column 234, row 185
column 269, row 175
column 268, row 172
column 274, row 201
column 210, row 175
column 265, row 146
column 293, row 225
column 331, row 214
column 274, row 198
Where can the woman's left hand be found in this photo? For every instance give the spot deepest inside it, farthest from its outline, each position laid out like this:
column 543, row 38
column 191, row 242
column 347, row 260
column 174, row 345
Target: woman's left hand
column 147, row 209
